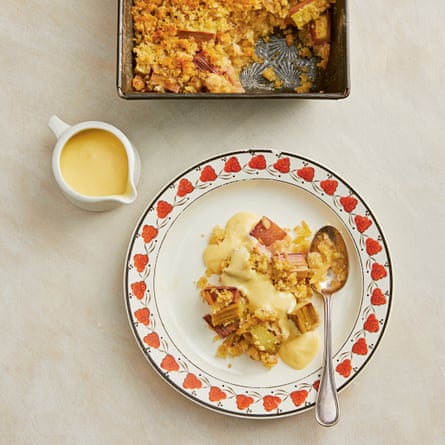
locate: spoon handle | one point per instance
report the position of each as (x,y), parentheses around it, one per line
(326,406)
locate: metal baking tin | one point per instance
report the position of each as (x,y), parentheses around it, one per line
(334,83)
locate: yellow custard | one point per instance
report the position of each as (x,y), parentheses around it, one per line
(94,163)
(230,260)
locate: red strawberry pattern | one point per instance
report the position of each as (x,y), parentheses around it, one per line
(163,208)
(184,187)
(232,165)
(216,394)
(329,186)
(140,261)
(169,363)
(243,401)
(143,316)
(138,289)
(299,396)
(371,324)
(373,247)
(145,320)
(258,162)
(191,382)
(208,174)
(362,223)
(282,165)
(271,402)
(378,271)
(149,233)
(360,347)
(344,368)
(306,173)
(378,297)
(152,340)
(349,203)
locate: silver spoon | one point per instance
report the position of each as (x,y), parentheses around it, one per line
(326,404)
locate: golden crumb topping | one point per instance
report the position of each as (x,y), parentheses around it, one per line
(258,289)
(190,46)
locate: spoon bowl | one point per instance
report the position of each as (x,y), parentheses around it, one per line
(330,245)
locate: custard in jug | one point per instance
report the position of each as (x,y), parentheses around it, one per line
(94,163)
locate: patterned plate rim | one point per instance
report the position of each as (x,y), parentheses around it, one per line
(212,173)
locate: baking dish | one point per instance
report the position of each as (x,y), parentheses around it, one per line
(333,83)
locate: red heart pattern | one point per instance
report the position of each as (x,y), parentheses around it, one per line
(378,297)
(329,186)
(169,363)
(208,174)
(145,320)
(232,165)
(216,394)
(143,316)
(149,233)
(362,223)
(360,347)
(282,165)
(306,173)
(184,187)
(163,208)
(349,203)
(138,289)
(153,341)
(371,324)
(271,403)
(191,382)
(373,247)
(257,162)
(243,402)
(298,397)
(344,368)
(378,271)
(140,262)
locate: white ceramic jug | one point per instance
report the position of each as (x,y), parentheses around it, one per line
(64,133)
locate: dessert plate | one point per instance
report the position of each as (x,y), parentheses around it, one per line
(164,262)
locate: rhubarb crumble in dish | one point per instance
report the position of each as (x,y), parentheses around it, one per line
(193,46)
(258,290)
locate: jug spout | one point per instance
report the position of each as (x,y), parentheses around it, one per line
(134,172)
(130,196)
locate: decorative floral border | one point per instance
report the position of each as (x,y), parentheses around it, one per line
(195,383)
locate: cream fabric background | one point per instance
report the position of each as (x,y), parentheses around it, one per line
(70,370)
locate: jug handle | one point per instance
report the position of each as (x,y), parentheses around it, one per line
(57,125)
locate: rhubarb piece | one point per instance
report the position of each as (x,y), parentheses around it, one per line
(201,36)
(307,11)
(225,331)
(222,331)
(213,294)
(267,232)
(227,314)
(305,318)
(296,262)
(263,339)
(203,63)
(321,29)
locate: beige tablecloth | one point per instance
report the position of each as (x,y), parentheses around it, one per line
(70,369)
